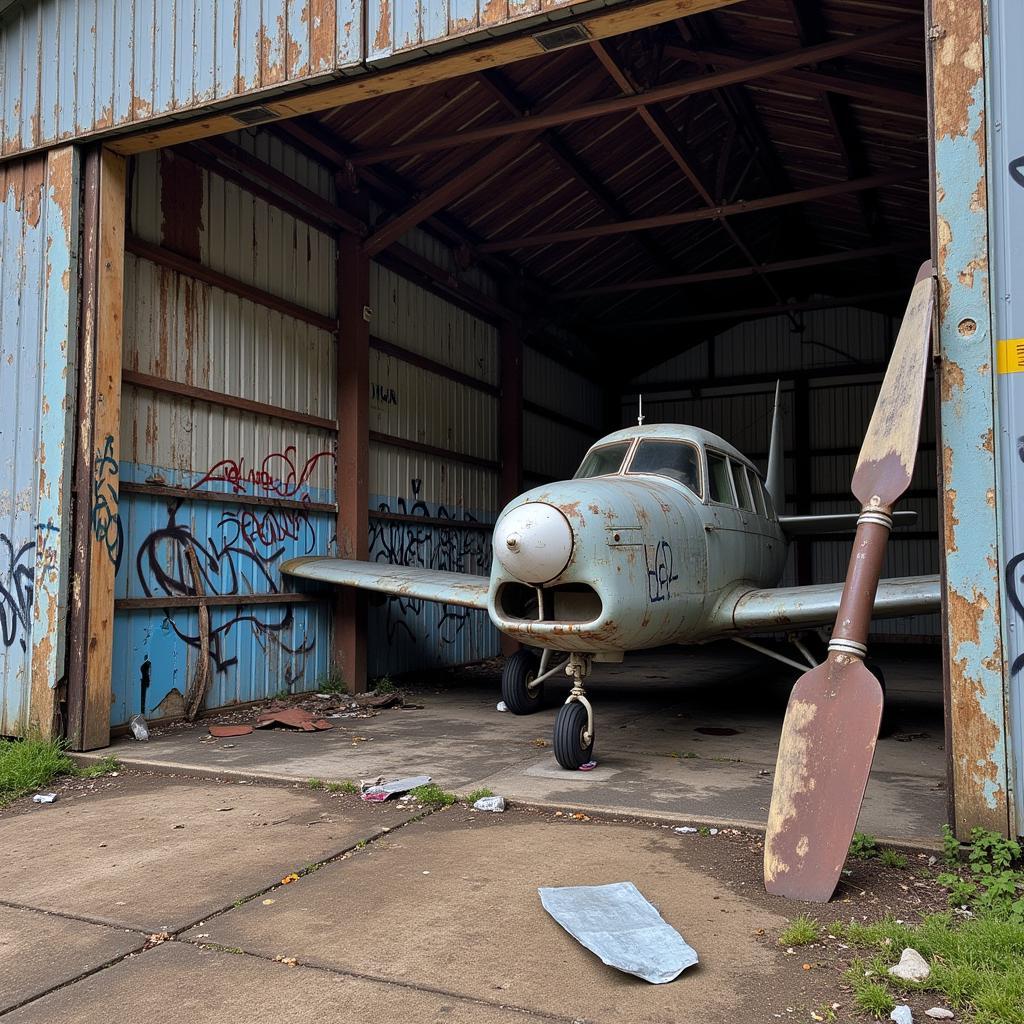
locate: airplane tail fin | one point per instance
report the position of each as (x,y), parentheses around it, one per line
(775,482)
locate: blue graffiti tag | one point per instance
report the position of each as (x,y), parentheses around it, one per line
(106,517)
(660,575)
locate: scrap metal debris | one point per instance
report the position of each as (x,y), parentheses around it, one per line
(622,928)
(222,731)
(379,790)
(292,718)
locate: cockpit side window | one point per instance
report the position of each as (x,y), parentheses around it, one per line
(677,460)
(719,480)
(603,461)
(755,490)
(740,480)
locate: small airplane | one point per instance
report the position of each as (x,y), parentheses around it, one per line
(665,535)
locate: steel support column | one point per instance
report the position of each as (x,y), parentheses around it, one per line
(973,653)
(353,459)
(511,420)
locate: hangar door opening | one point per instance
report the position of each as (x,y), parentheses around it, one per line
(691,210)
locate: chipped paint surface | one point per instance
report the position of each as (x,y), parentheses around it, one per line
(135,61)
(979,752)
(38,275)
(1006,191)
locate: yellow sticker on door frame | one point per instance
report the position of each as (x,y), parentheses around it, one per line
(1010,355)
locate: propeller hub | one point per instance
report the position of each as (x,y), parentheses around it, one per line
(533,542)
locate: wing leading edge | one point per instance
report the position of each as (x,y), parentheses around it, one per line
(784,607)
(407,581)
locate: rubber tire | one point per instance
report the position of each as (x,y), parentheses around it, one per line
(886,727)
(570,725)
(519,669)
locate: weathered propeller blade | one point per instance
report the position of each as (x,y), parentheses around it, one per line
(828,737)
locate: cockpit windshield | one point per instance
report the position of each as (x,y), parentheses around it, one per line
(603,461)
(678,460)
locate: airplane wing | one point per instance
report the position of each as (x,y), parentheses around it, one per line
(785,607)
(409,581)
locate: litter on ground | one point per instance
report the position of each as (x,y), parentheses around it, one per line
(617,924)
(44,798)
(222,731)
(378,790)
(292,718)
(490,803)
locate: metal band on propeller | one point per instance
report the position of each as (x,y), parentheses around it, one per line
(875,516)
(841,646)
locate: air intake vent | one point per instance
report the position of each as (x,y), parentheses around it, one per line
(255,115)
(559,38)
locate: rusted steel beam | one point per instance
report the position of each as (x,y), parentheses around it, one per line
(973,653)
(807,195)
(474,174)
(892,97)
(190,268)
(627,104)
(561,419)
(223,497)
(401,517)
(430,449)
(352,478)
(238,159)
(827,259)
(432,366)
(174,387)
(124,604)
(753,311)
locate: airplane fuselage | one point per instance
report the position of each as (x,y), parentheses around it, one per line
(644,555)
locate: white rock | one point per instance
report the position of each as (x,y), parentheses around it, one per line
(912,967)
(902,1015)
(939,1013)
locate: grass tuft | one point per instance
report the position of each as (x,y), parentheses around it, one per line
(345,786)
(314,784)
(30,764)
(331,683)
(433,795)
(863,846)
(104,766)
(893,859)
(383,685)
(478,794)
(800,932)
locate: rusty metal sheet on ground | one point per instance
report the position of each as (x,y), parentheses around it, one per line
(828,741)
(293,718)
(621,927)
(223,731)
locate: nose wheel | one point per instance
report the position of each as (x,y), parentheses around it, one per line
(574,724)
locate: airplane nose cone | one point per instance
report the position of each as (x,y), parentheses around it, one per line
(533,542)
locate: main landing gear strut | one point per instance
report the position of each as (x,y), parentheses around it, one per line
(574,726)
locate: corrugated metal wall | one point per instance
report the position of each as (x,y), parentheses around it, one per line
(838,410)
(188,332)
(70,67)
(442,465)
(38,289)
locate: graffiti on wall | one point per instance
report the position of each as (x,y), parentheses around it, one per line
(17,583)
(454,548)
(106,516)
(238,555)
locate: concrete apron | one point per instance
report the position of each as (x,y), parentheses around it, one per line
(654,760)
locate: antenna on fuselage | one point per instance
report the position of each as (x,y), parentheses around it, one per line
(640,412)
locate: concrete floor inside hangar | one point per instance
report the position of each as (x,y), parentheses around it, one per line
(654,759)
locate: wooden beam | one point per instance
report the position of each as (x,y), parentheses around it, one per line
(103,454)
(172,261)
(703,277)
(352,479)
(878,93)
(474,174)
(808,195)
(627,104)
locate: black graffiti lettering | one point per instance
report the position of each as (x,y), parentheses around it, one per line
(1016,169)
(17,583)
(660,575)
(106,516)
(1013,581)
(446,548)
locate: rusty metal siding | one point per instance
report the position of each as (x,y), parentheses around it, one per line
(38,288)
(69,68)
(418,406)
(1006,83)
(977,700)
(184,330)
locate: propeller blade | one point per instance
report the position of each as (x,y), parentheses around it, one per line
(831,725)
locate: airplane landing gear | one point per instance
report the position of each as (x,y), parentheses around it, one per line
(522,680)
(574,725)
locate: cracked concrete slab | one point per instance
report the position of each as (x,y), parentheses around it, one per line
(177,983)
(451,901)
(160,854)
(40,951)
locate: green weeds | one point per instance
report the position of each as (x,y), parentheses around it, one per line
(801,931)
